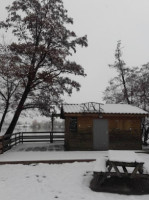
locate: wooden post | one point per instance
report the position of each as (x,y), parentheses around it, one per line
(19,137)
(50,137)
(51,133)
(15,139)
(52,118)
(22,137)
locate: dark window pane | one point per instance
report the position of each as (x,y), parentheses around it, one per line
(73,124)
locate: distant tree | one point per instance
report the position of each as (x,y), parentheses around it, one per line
(43,44)
(141,96)
(137,81)
(141,83)
(119,83)
(35,124)
(115,92)
(131,86)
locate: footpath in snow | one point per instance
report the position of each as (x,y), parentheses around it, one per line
(50,155)
(42,151)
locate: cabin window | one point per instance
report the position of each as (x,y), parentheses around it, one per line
(73,124)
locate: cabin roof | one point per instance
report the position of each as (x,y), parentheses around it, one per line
(102,108)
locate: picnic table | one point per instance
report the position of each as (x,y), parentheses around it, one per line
(131,165)
(120,164)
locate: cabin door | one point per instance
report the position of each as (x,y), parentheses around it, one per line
(100,134)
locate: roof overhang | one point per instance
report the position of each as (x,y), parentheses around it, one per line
(95,109)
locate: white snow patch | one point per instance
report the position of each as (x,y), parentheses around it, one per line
(123,156)
(100,165)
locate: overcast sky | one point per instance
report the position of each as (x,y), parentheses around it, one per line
(105,22)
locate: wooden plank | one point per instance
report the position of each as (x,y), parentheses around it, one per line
(116,169)
(25,141)
(136,169)
(54,132)
(125,170)
(123,174)
(109,167)
(46,161)
(126,164)
(141,170)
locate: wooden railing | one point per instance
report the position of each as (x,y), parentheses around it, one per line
(8,141)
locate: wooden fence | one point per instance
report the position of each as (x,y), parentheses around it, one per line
(8,141)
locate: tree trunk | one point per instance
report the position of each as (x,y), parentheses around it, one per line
(146,133)
(18,111)
(121,69)
(125,89)
(3,116)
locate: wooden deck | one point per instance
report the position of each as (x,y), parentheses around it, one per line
(9,141)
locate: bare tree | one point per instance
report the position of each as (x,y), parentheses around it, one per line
(122,70)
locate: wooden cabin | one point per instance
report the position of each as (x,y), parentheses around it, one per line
(94,126)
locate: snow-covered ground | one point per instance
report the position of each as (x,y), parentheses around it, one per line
(55,181)
(47,151)
(50,182)
(14,155)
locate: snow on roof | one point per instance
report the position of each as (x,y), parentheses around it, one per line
(104,108)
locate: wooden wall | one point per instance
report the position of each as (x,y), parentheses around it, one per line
(83,138)
(124,132)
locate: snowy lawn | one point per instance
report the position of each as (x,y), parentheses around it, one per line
(50,182)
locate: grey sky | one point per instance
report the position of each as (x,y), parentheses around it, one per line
(105,22)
